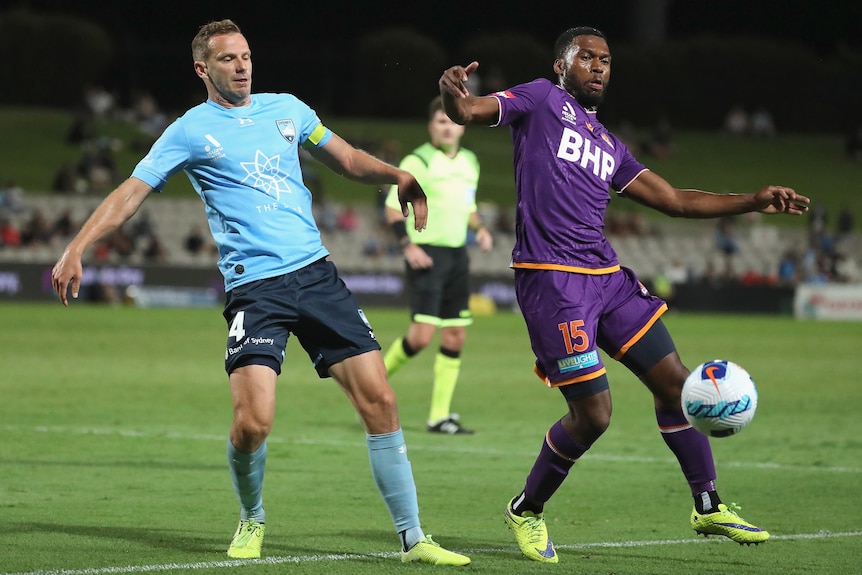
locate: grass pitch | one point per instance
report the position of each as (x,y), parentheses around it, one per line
(114,423)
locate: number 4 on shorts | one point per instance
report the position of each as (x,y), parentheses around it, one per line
(237,330)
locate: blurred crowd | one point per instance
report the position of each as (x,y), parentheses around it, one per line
(825,256)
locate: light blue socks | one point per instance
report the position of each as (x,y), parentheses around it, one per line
(394,478)
(246,471)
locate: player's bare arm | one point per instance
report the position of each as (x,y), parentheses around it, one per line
(115,209)
(462,106)
(357,165)
(653,191)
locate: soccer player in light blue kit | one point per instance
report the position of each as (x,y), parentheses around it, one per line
(575,296)
(240,152)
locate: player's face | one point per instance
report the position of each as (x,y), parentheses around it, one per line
(445,133)
(227,70)
(585,70)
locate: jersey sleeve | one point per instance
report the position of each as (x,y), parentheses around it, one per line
(630,168)
(313,133)
(520,100)
(168,155)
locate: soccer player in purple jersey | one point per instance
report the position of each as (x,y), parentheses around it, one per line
(575,296)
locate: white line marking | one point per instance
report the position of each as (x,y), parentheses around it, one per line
(227,564)
(413,447)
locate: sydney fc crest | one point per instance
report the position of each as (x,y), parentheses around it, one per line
(287,130)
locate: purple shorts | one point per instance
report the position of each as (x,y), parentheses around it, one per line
(571,316)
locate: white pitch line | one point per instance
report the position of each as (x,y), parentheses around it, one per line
(413,447)
(227,564)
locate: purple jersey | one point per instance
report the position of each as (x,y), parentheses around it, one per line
(565,164)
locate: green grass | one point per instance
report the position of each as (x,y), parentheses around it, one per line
(114,423)
(33,147)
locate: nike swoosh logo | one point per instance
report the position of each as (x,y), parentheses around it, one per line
(548,552)
(710,373)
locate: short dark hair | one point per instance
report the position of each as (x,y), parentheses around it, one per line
(565,40)
(435,106)
(201,42)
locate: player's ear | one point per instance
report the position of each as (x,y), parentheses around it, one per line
(559,66)
(200,69)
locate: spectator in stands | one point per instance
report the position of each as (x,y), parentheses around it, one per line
(845,268)
(151,120)
(12,197)
(82,130)
(10,235)
(725,236)
(154,252)
(65,179)
(121,243)
(736,122)
(788,268)
(100,102)
(660,141)
(195,241)
(63,226)
(326,215)
(677,272)
(37,230)
(142,227)
(846,221)
(762,124)
(348,220)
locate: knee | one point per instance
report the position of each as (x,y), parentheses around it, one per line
(665,382)
(379,411)
(249,431)
(420,341)
(586,428)
(453,338)
(595,425)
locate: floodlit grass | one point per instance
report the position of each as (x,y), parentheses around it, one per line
(114,423)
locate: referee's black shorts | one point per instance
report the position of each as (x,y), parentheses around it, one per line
(440,295)
(313,303)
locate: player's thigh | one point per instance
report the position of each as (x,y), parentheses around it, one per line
(259,316)
(562,312)
(331,326)
(631,331)
(252,389)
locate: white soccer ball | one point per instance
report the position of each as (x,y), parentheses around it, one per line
(719,398)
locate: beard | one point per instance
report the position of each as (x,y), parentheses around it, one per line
(585,97)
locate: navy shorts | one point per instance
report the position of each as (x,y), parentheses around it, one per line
(571,316)
(440,295)
(313,303)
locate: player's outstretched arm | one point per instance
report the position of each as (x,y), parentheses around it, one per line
(462,106)
(653,191)
(357,165)
(116,208)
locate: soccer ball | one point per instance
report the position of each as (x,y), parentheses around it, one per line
(719,398)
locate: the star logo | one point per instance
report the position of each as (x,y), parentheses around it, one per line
(263,174)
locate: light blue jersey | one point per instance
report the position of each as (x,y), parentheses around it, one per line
(244,164)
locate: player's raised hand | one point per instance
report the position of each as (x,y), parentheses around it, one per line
(409,191)
(454,79)
(781,200)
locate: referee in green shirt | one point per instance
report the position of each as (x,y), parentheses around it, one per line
(436,261)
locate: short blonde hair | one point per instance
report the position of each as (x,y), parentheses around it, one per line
(201,42)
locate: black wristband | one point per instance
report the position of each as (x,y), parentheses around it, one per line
(399,227)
